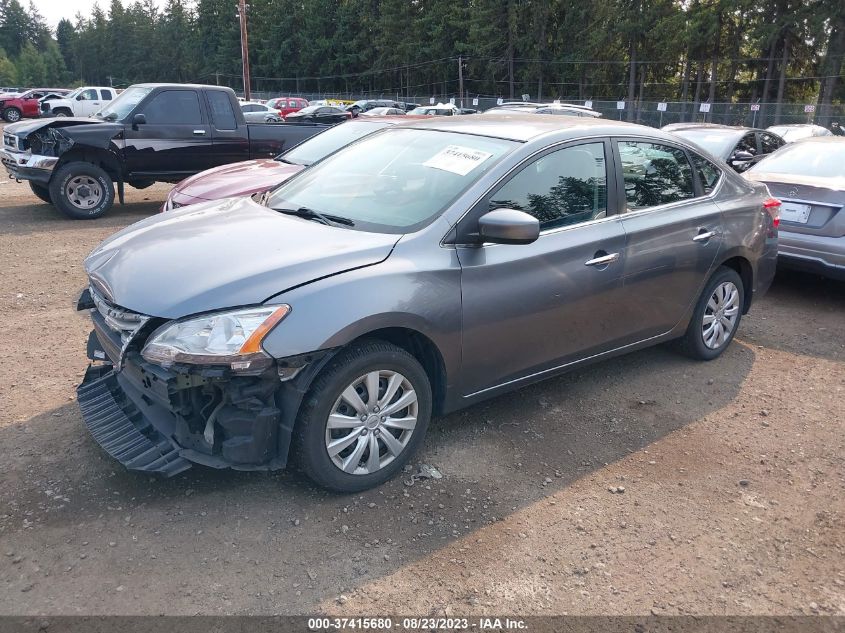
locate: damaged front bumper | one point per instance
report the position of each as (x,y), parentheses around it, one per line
(158,420)
(34,156)
(28,166)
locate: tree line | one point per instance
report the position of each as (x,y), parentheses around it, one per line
(704,50)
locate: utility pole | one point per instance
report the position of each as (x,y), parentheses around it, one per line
(242,8)
(461,79)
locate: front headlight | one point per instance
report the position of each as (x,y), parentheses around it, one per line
(226,338)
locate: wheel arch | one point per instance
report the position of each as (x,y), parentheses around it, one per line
(413,341)
(745,270)
(102,158)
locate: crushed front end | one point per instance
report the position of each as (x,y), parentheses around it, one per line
(160,419)
(33,156)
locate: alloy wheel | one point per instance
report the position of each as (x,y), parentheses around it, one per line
(371,422)
(84,192)
(720,315)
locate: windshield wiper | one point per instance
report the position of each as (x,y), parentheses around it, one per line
(310,214)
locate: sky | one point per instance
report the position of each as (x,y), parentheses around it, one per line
(55,10)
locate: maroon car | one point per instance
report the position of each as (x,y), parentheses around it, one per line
(255,176)
(13,108)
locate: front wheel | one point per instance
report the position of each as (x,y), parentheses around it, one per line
(82,191)
(363,418)
(716,317)
(62,112)
(41,191)
(12,115)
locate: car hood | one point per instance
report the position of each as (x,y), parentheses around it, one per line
(237,179)
(225,254)
(23,128)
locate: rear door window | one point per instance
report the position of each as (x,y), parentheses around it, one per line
(565,187)
(654,174)
(174,107)
(747,143)
(105,95)
(222,114)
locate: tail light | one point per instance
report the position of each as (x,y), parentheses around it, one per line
(772,205)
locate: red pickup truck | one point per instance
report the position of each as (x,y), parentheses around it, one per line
(27,104)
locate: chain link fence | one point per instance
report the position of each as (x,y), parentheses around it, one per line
(652,113)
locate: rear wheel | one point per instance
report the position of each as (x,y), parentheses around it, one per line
(12,115)
(82,191)
(41,191)
(363,418)
(716,317)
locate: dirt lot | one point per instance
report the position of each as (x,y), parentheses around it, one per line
(729,480)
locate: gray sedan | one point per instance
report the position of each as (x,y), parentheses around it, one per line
(809,177)
(417,271)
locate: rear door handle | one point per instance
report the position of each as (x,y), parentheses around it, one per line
(603,260)
(199,132)
(704,236)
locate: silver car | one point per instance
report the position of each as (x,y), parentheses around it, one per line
(259,113)
(809,177)
(419,270)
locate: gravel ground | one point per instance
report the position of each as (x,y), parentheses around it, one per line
(647,484)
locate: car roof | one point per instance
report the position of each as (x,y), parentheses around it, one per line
(716,127)
(525,127)
(822,139)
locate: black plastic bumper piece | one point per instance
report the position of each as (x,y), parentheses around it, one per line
(119,428)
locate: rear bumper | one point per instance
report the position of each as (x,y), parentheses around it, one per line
(813,253)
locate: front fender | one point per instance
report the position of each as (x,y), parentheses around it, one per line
(423,296)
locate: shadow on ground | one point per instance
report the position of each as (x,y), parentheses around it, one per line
(273,541)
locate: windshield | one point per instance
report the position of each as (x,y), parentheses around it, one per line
(328,142)
(821,160)
(72,95)
(716,142)
(394,181)
(124,103)
(308,110)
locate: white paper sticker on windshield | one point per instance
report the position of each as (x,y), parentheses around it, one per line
(456,159)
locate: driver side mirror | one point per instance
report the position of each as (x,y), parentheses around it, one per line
(508,226)
(741,156)
(138,119)
(80,97)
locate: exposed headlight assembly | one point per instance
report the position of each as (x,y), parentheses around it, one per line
(224,338)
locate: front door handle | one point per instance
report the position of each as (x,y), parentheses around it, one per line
(199,132)
(602,260)
(703,236)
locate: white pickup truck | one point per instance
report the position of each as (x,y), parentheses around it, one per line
(84,101)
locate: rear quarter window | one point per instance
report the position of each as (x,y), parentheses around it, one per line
(708,173)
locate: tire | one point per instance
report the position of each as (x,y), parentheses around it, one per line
(312,436)
(70,179)
(702,342)
(61,112)
(12,115)
(41,191)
